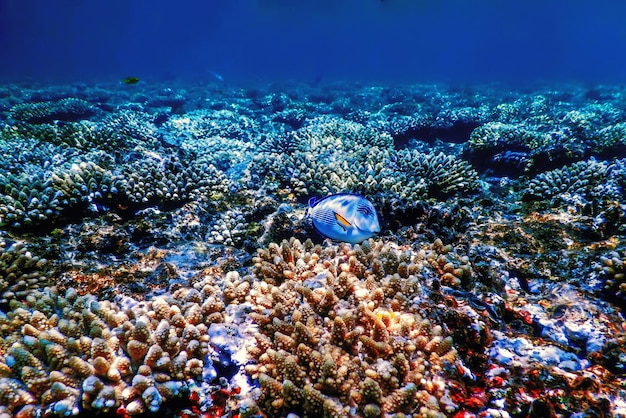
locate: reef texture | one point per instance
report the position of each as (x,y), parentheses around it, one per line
(350,331)
(156,258)
(71,353)
(331,155)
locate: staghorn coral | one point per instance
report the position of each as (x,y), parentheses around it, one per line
(331,316)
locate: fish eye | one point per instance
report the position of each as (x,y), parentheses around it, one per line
(365,210)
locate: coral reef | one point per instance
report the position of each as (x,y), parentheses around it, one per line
(70,353)
(69,109)
(171,219)
(350,330)
(21,272)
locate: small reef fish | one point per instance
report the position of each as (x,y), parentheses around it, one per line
(217,76)
(344,217)
(131,80)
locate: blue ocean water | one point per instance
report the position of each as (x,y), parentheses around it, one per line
(310,40)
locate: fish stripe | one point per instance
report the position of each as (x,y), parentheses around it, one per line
(342,221)
(324,216)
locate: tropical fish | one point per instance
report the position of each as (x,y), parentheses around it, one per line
(344,217)
(217,76)
(131,80)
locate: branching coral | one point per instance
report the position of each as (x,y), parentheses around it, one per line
(440,175)
(155,179)
(21,272)
(330,156)
(69,353)
(45,112)
(341,325)
(586,179)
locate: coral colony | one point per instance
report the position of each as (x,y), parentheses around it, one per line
(157,259)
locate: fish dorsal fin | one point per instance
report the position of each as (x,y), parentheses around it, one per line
(342,221)
(314,201)
(318,199)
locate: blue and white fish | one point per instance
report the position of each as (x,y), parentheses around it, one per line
(344,217)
